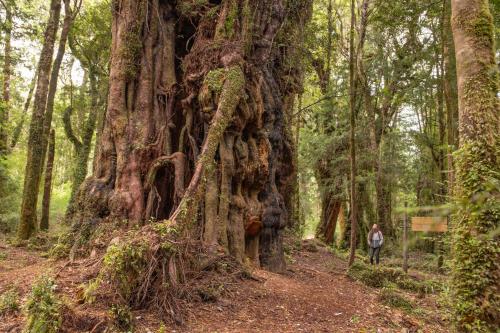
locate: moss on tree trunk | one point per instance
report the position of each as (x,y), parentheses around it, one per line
(475,247)
(47,186)
(28,219)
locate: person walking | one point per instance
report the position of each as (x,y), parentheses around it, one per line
(375,241)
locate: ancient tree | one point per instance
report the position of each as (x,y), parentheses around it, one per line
(197,127)
(27,224)
(475,243)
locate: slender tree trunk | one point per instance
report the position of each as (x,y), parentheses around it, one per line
(5,108)
(450,92)
(83,146)
(27,224)
(352,137)
(47,187)
(441,157)
(54,76)
(476,268)
(16,134)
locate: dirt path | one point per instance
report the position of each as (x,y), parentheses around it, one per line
(314,295)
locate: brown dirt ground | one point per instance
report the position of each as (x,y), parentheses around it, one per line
(314,295)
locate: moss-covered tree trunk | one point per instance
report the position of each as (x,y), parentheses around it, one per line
(475,243)
(47,186)
(7,64)
(196,127)
(27,224)
(54,76)
(450,92)
(82,145)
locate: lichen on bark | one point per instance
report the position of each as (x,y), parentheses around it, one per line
(475,247)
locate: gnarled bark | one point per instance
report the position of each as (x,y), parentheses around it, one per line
(198,95)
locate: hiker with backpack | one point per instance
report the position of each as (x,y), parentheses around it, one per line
(375,241)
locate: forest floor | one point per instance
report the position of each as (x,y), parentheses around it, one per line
(314,295)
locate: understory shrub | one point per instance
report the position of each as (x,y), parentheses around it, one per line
(9,301)
(380,276)
(392,298)
(43,307)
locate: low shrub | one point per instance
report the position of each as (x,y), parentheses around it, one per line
(380,276)
(122,317)
(392,298)
(9,301)
(43,308)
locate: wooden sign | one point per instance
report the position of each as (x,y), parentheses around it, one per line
(429,224)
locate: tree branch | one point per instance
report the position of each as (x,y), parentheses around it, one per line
(68,129)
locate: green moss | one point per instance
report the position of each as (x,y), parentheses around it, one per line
(191,8)
(380,276)
(123,264)
(131,47)
(43,308)
(59,251)
(482,26)
(9,301)
(90,290)
(122,317)
(212,12)
(215,80)
(162,328)
(392,298)
(231,19)
(227,29)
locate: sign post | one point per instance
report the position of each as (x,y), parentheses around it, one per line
(429,224)
(405,240)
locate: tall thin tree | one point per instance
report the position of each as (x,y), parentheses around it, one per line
(7,69)
(352,135)
(27,224)
(47,185)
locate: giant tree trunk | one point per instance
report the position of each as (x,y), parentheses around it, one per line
(197,97)
(27,224)
(475,242)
